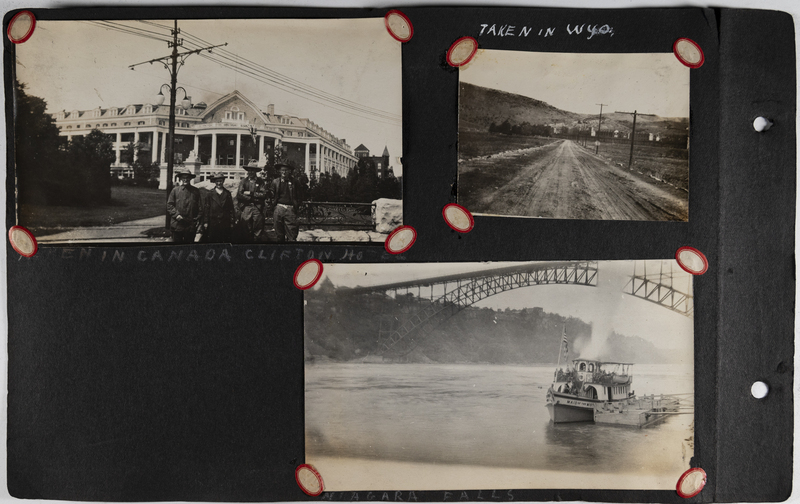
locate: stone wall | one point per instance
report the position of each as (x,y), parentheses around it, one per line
(388,214)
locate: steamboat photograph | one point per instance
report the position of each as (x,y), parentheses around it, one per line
(574,136)
(573,374)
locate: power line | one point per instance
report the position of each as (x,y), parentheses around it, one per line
(293,83)
(128,30)
(341,104)
(265,80)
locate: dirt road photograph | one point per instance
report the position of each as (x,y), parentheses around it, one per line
(574,136)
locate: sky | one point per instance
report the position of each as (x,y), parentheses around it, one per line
(648,83)
(79,65)
(606,307)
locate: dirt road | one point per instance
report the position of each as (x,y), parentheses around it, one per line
(566,181)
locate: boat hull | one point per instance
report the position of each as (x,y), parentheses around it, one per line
(562,413)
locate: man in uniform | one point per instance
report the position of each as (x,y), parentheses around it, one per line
(185,209)
(286,199)
(218,216)
(250,199)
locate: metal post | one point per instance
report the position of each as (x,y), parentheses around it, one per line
(633,136)
(600,122)
(172,93)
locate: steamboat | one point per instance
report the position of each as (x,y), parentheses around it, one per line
(600,391)
(577,393)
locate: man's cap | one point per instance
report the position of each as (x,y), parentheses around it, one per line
(251,168)
(216,176)
(183,172)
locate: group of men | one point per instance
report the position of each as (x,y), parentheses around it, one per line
(212,217)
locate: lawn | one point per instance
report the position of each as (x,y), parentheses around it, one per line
(472,144)
(127,204)
(659,162)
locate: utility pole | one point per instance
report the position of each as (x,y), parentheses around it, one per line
(173,63)
(597,140)
(633,133)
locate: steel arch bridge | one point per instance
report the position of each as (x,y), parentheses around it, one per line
(452,293)
(659,287)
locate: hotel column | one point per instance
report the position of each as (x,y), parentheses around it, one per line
(197,146)
(262,159)
(154,151)
(135,143)
(213,149)
(164,147)
(116,147)
(238,149)
(317,159)
(308,160)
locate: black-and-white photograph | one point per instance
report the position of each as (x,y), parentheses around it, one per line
(573,374)
(215,131)
(574,136)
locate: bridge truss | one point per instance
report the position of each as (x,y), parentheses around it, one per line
(451,294)
(658,287)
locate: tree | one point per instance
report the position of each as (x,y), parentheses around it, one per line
(36,143)
(51,172)
(145,173)
(88,160)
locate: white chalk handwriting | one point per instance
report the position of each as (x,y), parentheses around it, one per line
(508,30)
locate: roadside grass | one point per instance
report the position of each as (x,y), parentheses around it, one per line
(657,162)
(478,177)
(472,144)
(127,204)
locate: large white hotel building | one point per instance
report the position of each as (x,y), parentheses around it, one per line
(213,138)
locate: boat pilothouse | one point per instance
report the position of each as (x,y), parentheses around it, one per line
(587,386)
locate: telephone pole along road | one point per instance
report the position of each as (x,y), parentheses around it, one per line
(569,182)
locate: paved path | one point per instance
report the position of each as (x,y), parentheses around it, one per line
(124,232)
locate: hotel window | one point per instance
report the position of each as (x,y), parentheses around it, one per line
(240,116)
(140,123)
(105,125)
(131,110)
(113,124)
(96,113)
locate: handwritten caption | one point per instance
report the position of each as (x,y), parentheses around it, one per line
(224,255)
(505,30)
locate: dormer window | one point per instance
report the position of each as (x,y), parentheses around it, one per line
(97,112)
(74,114)
(112,111)
(60,115)
(130,110)
(147,109)
(234,115)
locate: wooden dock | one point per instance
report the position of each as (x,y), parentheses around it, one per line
(643,411)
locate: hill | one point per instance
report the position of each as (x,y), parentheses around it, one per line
(346,327)
(480,107)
